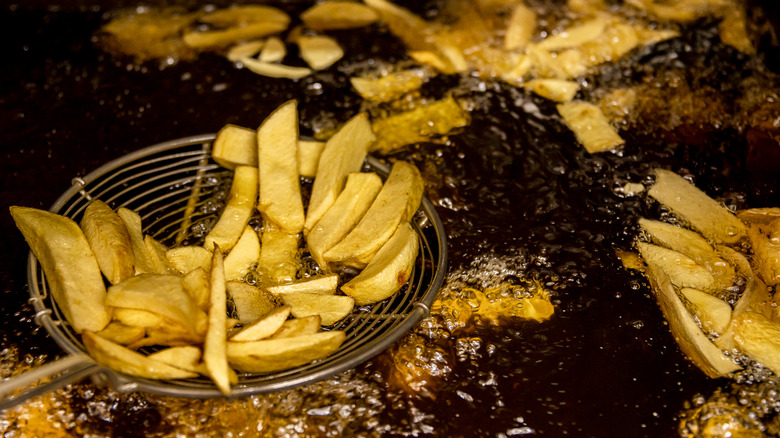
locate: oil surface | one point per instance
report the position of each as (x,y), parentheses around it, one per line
(520,198)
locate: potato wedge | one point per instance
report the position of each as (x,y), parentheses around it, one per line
(245,14)
(352,203)
(388,271)
(389,87)
(338,14)
(108,237)
(122,334)
(280,189)
(759,216)
(157,251)
(283,353)
(244,50)
(250,302)
(309,152)
(263,327)
(226,37)
(237,212)
(235,146)
(323,284)
(197,284)
(299,327)
(344,153)
(713,313)
(143,260)
(330,308)
(274,50)
(693,206)
(185,259)
(396,203)
(681,269)
(71,269)
(576,35)
(766,251)
(139,318)
(214,350)
(590,126)
(692,341)
(243,256)
(759,337)
(126,361)
(272,70)
(279,259)
(185,357)
(319,51)
(163,295)
(521,27)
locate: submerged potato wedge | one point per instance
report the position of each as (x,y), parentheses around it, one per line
(226,37)
(396,203)
(235,146)
(590,126)
(330,308)
(67,260)
(713,313)
(214,350)
(338,14)
(282,353)
(521,27)
(388,271)
(352,203)
(263,327)
(713,220)
(243,256)
(108,237)
(245,14)
(681,269)
(319,51)
(279,259)
(250,302)
(237,212)
(766,251)
(343,154)
(280,189)
(126,361)
(759,338)
(323,284)
(275,70)
(186,259)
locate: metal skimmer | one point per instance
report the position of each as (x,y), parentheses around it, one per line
(174,186)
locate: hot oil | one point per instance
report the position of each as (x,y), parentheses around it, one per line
(523,204)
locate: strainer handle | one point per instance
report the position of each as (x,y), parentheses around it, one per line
(62,371)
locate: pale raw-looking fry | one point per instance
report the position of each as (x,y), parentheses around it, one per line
(280,189)
(590,125)
(244,50)
(275,70)
(108,237)
(344,153)
(185,357)
(309,152)
(390,86)
(396,203)
(755,298)
(235,146)
(759,338)
(298,327)
(704,214)
(122,334)
(388,271)
(243,256)
(319,51)
(558,90)
(197,284)
(139,318)
(157,251)
(713,313)
(350,206)
(160,294)
(575,35)
(766,251)
(250,302)
(67,260)
(263,327)
(330,308)
(323,284)
(126,361)
(338,14)
(279,259)
(759,216)
(226,37)
(692,245)
(681,269)
(419,124)
(243,15)
(283,353)
(692,341)
(274,51)
(214,350)
(237,211)
(186,259)
(521,27)
(143,260)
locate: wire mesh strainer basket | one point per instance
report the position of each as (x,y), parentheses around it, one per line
(174,186)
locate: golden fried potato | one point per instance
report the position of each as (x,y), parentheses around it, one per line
(237,212)
(282,353)
(319,51)
(186,259)
(250,302)
(243,256)
(108,237)
(323,284)
(263,327)
(279,259)
(338,14)
(235,146)
(214,350)
(330,308)
(298,327)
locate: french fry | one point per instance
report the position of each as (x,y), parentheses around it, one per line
(197,284)
(244,50)
(396,203)
(70,266)
(282,353)
(263,327)
(713,313)
(309,152)
(121,333)
(330,308)
(185,259)
(245,14)
(590,126)
(681,269)
(279,259)
(157,251)
(237,212)
(214,350)
(323,284)
(250,302)
(298,327)
(185,357)
(275,70)
(389,87)
(143,260)
(108,237)
(243,256)
(280,192)
(235,146)
(521,27)
(274,50)
(319,51)
(226,37)
(338,14)
(759,337)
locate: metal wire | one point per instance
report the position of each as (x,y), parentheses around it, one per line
(176,188)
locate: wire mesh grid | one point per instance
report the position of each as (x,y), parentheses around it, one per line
(177,189)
